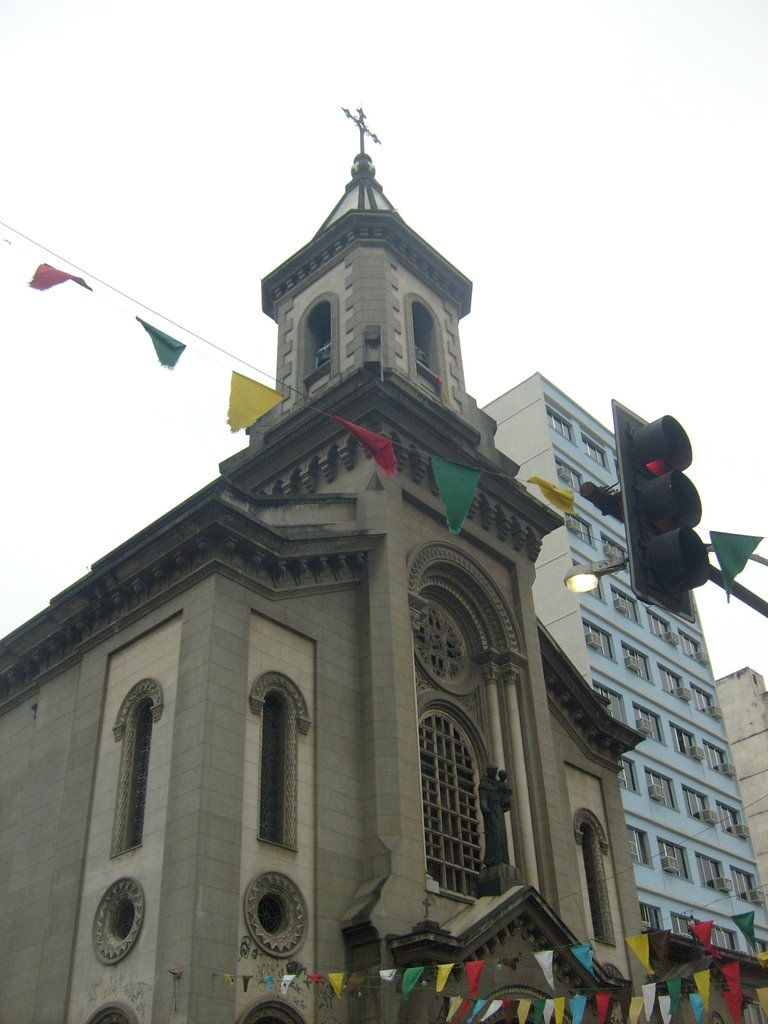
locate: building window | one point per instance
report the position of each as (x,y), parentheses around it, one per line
(448,787)
(730,818)
(671,682)
(635,661)
(701,699)
(658,626)
(624,605)
(714,755)
(424,337)
(724,938)
(140,709)
(612,549)
(647,722)
(659,788)
(597,639)
(743,882)
(579,527)
(638,845)
(690,646)
(567,475)
(683,741)
(672,858)
(616,705)
(283,710)
(681,923)
(560,425)
(695,803)
(650,916)
(318,337)
(710,871)
(594,451)
(594,845)
(628,775)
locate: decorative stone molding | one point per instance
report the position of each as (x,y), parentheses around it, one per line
(275,914)
(115,1013)
(290,692)
(585,816)
(146,689)
(267,1011)
(117,922)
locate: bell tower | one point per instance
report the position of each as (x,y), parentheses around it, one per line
(367,292)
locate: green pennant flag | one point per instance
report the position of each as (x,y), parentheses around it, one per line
(732,551)
(746,924)
(674,987)
(410,976)
(457,485)
(168,350)
(538,1010)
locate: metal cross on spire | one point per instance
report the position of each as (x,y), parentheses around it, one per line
(364,129)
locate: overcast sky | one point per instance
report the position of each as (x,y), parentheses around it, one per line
(598,169)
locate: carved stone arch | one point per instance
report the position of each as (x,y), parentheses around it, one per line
(429,701)
(585,816)
(147,689)
(114,1013)
(270,1011)
(447,574)
(141,708)
(435,364)
(307,370)
(278,796)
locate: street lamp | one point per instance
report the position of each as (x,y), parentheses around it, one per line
(583,578)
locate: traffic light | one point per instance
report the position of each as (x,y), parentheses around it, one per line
(667,559)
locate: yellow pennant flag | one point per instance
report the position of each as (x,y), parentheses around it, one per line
(559,1009)
(443,971)
(523,1009)
(230,979)
(702,984)
(639,946)
(561,497)
(248,400)
(762,995)
(635,1007)
(337,982)
(453,1004)
(762,958)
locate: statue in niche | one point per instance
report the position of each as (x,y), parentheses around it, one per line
(495,798)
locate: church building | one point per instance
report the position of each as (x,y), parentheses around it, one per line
(243,759)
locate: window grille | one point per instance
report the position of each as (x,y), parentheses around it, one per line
(273,770)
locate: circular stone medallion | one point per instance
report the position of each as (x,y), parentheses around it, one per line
(118,920)
(275,913)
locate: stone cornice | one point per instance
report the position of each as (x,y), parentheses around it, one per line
(366,227)
(217,530)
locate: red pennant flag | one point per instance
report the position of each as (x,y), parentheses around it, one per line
(474,970)
(379,447)
(703,932)
(462,1011)
(47,276)
(733,1001)
(317,978)
(732,974)
(603,1001)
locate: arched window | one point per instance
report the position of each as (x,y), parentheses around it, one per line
(424,337)
(591,837)
(319,336)
(283,710)
(271,1011)
(448,787)
(272,795)
(139,711)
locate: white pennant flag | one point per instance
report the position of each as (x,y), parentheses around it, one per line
(285,984)
(549,1009)
(649,998)
(388,975)
(492,1008)
(664,1008)
(544,960)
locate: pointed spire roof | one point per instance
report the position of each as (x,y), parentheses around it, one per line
(363,193)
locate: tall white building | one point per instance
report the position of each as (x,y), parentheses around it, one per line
(685,820)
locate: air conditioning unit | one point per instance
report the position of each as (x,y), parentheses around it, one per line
(726,768)
(621,604)
(634,664)
(721,884)
(739,830)
(713,711)
(682,692)
(670,864)
(612,552)
(754,896)
(707,814)
(593,640)
(657,793)
(565,474)
(644,725)
(671,637)
(697,753)
(701,657)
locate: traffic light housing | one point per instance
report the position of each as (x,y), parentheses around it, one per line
(667,559)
